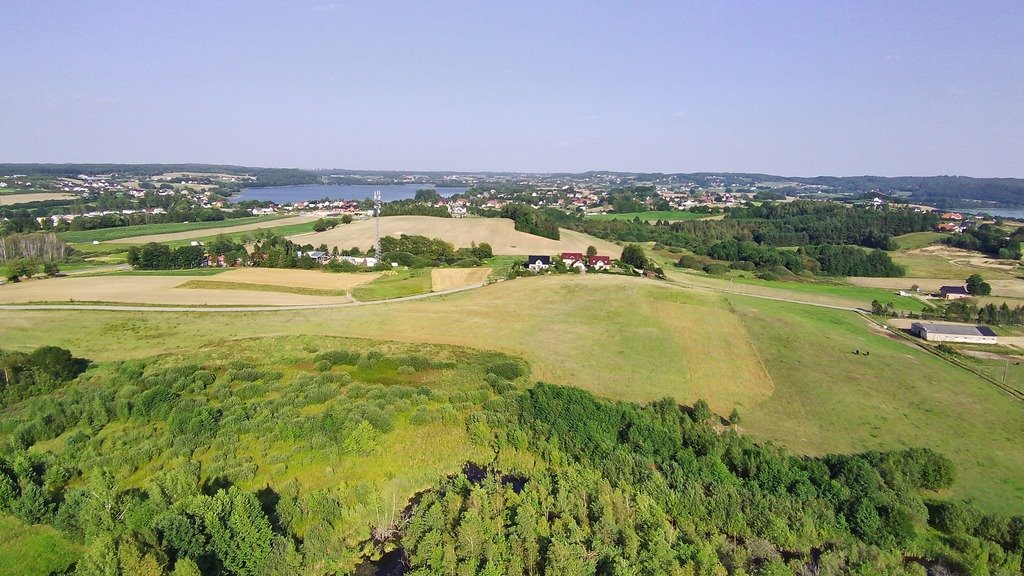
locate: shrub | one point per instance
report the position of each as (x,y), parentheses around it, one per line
(338,357)
(509,370)
(405,370)
(716,269)
(322,366)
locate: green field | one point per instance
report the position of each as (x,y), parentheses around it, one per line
(653,215)
(34,549)
(845,291)
(828,399)
(404,282)
(916,240)
(106,234)
(286,230)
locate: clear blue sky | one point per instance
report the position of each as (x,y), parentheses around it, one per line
(793,88)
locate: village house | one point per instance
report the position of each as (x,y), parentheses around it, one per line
(954,292)
(537,263)
(600,262)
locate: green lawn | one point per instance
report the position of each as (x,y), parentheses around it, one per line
(865,295)
(652,215)
(106,234)
(828,399)
(404,282)
(916,240)
(501,265)
(28,550)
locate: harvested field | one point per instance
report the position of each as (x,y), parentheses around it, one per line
(227,229)
(12,199)
(448,278)
(160,290)
(313,279)
(500,233)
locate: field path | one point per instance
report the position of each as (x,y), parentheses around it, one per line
(172,236)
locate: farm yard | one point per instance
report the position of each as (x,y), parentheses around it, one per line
(641,340)
(500,233)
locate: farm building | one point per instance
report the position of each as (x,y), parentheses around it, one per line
(953,333)
(954,292)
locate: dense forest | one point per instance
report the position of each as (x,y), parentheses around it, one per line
(573,484)
(530,220)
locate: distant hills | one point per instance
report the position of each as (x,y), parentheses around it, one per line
(942,191)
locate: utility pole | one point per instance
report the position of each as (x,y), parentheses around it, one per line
(376,209)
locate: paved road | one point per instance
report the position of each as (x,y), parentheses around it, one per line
(222,309)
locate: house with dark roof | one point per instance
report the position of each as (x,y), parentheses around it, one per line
(954,292)
(536,263)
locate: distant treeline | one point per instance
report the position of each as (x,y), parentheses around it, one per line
(263,176)
(826,235)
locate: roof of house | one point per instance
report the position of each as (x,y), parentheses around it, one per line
(954,329)
(604,259)
(542,259)
(953,290)
(572,256)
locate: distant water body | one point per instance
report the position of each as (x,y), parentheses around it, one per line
(1009,213)
(291,194)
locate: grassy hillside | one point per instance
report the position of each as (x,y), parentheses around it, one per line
(829,399)
(790,368)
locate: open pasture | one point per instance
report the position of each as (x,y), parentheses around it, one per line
(500,233)
(192,230)
(154,290)
(448,278)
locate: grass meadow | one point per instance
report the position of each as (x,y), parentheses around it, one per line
(31,549)
(403,282)
(108,234)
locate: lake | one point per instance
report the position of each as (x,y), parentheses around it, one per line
(291,194)
(1009,213)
